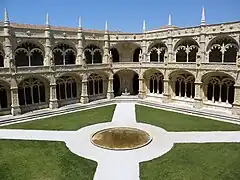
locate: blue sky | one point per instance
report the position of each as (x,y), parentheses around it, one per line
(123,15)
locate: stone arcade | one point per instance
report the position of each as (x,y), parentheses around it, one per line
(48,67)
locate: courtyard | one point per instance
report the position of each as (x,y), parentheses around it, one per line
(182,146)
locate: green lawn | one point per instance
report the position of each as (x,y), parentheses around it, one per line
(38,160)
(195,162)
(71,121)
(172,121)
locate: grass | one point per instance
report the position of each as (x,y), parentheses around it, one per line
(72,121)
(38,160)
(172,121)
(219,161)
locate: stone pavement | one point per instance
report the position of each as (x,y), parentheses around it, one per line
(119,165)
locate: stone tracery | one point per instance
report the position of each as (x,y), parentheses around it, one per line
(93,54)
(157,52)
(156,83)
(64,54)
(31,91)
(66,88)
(186,50)
(220,90)
(223,49)
(95,84)
(29,54)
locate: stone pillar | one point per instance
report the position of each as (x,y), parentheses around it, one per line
(202,52)
(166,95)
(198,94)
(110,92)
(53,102)
(15,108)
(84,96)
(106,45)
(170,46)
(236,103)
(144,49)
(141,90)
(79,59)
(48,61)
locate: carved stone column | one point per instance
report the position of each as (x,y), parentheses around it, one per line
(110,92)
(15,108)
(48,46)
(80,59)
(84,96)
(53,102)
(236,103)
(170,46)
(106,46)
(48,53)
(8,52)
(198,94)
(202,52)
(141,90)
(166,95)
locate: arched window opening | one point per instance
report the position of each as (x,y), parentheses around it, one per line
(156,83)
(184,86)
(29,54)
(64,54)
(192,54)
(157,52)
(215,54)
(93,54)
(1,59)
(95,85)
(136,54)
(220,91)
(3,97)
(181,55)
(230,55)
(115,55)
(223,49)
(186,51)
(66,88)
(154,55)
(31,91)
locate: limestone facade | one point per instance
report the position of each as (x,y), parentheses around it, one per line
(48,67)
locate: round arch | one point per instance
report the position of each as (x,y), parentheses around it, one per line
(126,81)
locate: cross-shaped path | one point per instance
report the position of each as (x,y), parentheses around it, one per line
(119,165)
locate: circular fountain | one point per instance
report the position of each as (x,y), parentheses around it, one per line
(121,138)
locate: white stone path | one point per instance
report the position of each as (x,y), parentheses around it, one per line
(119,165)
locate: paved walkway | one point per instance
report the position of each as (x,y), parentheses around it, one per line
(119,165)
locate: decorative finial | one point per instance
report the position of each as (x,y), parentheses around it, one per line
(169,20)
(47,20)
(106,26)
(203,19)
(79,22)
(144,26)
(6,19)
